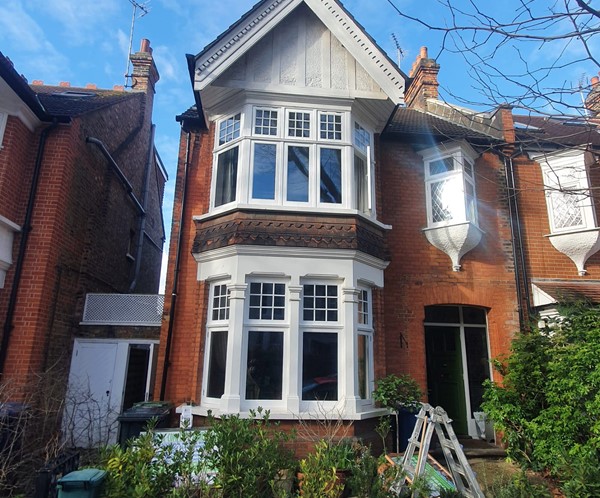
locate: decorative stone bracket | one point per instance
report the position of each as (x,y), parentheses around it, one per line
(455,240)
(577,245)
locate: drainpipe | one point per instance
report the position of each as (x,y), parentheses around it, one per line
(518,250)
(117,170)
(169,338)
(12,300)
(142,227)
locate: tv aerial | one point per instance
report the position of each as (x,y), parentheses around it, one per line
(143,10)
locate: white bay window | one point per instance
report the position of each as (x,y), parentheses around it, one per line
(303,159)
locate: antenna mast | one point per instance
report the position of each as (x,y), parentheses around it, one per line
(399,51)
(144,10)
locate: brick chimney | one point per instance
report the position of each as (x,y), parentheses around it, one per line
(144,75)
(592,101)
(424,83)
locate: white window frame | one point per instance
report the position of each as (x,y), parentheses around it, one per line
(247,140)
(566,172)
(267,326)
(460,153)
(365,330)
(213,325)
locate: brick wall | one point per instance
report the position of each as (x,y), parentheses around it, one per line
(420,275)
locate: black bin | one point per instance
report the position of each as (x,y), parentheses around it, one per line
(135,419)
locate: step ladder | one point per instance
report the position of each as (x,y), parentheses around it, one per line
(428,420)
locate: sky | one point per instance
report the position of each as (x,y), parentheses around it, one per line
(87,41)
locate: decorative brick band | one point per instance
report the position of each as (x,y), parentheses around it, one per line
(281,229)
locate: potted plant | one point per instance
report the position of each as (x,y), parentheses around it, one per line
(402,395)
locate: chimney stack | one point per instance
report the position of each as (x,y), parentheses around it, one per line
(144,75)
(424,83)
(592,101)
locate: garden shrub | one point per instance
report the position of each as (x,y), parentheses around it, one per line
(547,407)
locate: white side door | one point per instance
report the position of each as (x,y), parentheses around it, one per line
(95,393)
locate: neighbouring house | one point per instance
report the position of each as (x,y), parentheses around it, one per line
(81,242)
(335,222)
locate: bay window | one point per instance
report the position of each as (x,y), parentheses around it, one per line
(450,184)
(302,158)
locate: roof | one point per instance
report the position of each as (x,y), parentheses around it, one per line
(72,101)
(19,85)
(266,14)
(570,290)
(417,123)
(557,131)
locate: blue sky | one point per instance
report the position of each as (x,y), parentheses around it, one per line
(86,41)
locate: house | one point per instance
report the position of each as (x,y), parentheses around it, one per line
(336,222)
(81,189)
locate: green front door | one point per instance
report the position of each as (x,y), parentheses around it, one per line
(445,380)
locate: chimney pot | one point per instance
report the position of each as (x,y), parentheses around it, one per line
(64,83)
(145,46)
(119,88)
(91,86)
(37,82)
(423,53)
(595,80)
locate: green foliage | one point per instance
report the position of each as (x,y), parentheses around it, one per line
(365,481)
(397,392)
(319,470)
(150,468)
(518,486)
(248,454)
(548,404)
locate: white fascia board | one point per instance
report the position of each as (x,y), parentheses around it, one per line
(361,47)
(11,104)
(236,43)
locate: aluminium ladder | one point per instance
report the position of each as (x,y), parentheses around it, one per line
(428,420)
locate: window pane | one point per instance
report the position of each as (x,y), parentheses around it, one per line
(441,166)
(220,305)
(477,364)
(331,176)
(447,200)
(566,209)
(267,301)
(442,314)
(297,174)
(363,366)
(226,177)
(331,126)
(299,124)
(265,122)
(363,307)
(217,363)
(323,307)
(319,366)
(362,139)
(361,184)
(229,129)
(264,376)
(263,177)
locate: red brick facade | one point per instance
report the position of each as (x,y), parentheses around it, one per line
(81,220)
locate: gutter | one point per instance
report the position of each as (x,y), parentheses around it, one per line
(169,338)
(12,301)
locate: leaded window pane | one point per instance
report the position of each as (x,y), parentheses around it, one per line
(320,303)
(441,166)
(267,301)
(566,210)
(220,303)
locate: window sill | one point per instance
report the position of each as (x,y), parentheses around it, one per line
(366,412)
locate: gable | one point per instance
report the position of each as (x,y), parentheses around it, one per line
(310,47)
(301,56)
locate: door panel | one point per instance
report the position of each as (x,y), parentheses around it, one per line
(445,381)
